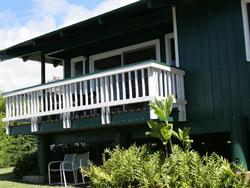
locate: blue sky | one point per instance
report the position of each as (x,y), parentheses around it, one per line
(21,20)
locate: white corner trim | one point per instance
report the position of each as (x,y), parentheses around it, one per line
(175,37)
(246,27)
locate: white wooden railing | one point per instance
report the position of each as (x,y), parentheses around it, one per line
(131,84)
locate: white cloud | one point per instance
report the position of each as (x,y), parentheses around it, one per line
(46,16)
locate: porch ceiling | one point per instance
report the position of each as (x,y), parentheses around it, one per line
(125,19)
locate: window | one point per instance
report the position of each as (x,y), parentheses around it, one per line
(171,50)
(78,66)
(245,5)
(124,56)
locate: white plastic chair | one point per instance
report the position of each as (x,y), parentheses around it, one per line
(80,161)
(67,161)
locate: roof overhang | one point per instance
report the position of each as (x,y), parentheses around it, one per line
(91,30)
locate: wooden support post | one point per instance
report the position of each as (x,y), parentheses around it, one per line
(239,140)
(43,154)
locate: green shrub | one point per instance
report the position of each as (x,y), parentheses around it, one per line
(138,167)
(189,169)
(26,165)
(133,167)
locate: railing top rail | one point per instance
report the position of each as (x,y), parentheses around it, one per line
(108,72)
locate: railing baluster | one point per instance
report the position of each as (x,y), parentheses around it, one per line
(76,95)
(38,103)
(42,100)
(55,98)
(32,103)
(46,100)
(123,87)
(143,85)
(67,96)
(165,84)
(70,96)
(169,84)
(28,99)
(91,92)
(17,105)
(21,105)
(50,100)
(117,88)
(81,98)
(130,85)
(161,84)
(59,98)
(97,91)
(111,88)
(136,85)
(7,107)
(106,89)
(173,84)
(102,90)
(10,105)
(86,93)
(64,97)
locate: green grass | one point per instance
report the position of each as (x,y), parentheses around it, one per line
(8,180)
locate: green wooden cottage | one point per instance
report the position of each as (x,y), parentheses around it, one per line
(116,63)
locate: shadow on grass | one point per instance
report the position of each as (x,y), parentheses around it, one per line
(6,174)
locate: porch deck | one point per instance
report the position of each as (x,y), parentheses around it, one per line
(122,88)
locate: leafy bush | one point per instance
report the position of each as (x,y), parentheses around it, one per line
(138,167)
(26,165)
(135,166)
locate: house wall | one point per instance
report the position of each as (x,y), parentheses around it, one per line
(212,52)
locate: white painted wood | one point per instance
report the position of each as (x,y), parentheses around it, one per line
(81,97)
(161,84)
(76,94)
(136,85)
(130,85)
(173,84)
(175,37)
(86,93)
(91,92)
(7,127)
(97,91)
(106,86)
(7,107)
(159,77)
(143,83)
(17,105)
(60,97)
(50,99)
(123,87)
(42,101)
(118,96)
(70,95)
(111,89)
(46,100)
(108,119)
(246,27)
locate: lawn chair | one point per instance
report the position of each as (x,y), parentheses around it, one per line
(80,161)
(67,162)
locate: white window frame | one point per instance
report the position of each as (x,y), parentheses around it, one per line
(246,27)
(168,38)
(120,51)
(75,60)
